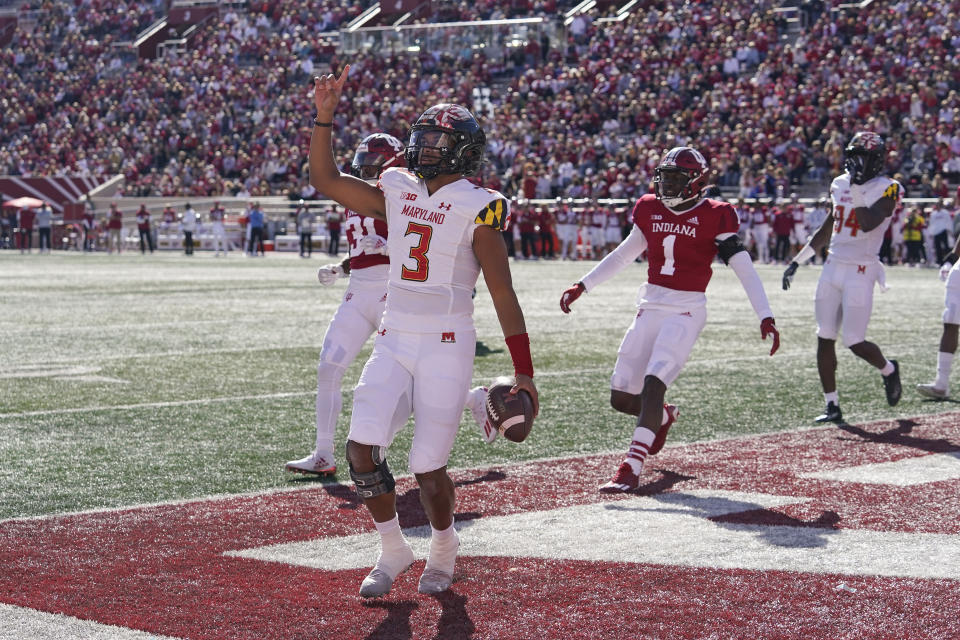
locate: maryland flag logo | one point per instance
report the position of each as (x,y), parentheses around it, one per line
(892,192)
(495,215)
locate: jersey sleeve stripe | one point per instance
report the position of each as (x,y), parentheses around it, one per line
(492,215)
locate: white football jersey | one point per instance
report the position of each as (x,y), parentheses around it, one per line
(850,243)
(433,269)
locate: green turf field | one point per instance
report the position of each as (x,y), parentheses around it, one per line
(128,379)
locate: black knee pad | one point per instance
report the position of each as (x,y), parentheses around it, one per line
(374,483)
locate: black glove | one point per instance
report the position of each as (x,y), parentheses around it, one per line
(788,275)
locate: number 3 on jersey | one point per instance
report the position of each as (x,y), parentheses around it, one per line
(418,252)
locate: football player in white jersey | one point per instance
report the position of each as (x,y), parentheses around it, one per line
(358,316)
(443,231)
(939,389)
(863,202)
(682,232)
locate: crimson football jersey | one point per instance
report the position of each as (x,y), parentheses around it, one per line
(681,246)
(359,226)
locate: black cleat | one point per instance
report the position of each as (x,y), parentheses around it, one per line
(891,384)
(832,415)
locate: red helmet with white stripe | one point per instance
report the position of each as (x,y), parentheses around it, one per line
(681,176)
(375,153)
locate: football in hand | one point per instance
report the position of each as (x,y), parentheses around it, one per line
(510,414)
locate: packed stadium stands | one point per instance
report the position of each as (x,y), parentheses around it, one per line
(581,97)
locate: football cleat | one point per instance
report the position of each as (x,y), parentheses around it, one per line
(832,414)
(623,480)
(318,464)
(891,384)
(434,581)
(673,412)
(931,391)
(379,581)
(476,400)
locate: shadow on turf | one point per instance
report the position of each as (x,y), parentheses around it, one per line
(899,435)
(454,622)
(408,502)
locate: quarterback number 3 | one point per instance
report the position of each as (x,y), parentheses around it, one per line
(418,252)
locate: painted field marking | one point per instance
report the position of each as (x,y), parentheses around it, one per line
(900,473)
(665,529)
(21,623)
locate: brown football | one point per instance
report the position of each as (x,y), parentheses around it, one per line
(510,414)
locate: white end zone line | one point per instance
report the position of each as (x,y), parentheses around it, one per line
(22,623)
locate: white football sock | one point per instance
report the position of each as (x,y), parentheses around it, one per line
(642,439)
(944,364)
(887,369)
(833,397)
(395,553)
(443,549)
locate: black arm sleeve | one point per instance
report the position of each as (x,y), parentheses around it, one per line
(726,249)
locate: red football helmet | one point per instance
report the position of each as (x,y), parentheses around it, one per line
(375,153)
(686,172)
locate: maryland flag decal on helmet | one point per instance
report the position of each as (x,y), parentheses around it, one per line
(495,214)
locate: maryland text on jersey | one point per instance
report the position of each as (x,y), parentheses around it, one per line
(420,213)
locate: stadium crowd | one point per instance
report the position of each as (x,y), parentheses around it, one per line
(771,110)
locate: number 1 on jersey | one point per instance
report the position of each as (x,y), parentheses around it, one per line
(667,269)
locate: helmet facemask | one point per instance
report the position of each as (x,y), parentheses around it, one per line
(446,139)
(672,186)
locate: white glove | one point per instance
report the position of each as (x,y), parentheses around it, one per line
(329,273)
(373,244)
(945,269)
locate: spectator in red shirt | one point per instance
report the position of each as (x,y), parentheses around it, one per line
(547,222)
(25,224)
(782,226)
(114,228)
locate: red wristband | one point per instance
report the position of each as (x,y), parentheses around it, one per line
(519,346)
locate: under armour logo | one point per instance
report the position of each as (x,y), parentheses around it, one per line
(384,298)
(444,205)
(348,297)
(382,332)
(448,337)
(687,313)
(861,268)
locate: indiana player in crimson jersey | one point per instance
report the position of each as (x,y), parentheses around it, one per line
(682,233)
(358,315)
(443,231)
(863,203)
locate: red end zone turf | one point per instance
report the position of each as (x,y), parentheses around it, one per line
(886,487)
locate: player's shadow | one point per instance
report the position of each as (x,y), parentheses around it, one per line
(408,502)
(483,350)
(772,527)
(455,622)
(396,626)
(900,435)
(667,480)
(782,530)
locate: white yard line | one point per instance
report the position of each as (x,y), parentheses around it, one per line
(153,405)
(19,622)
